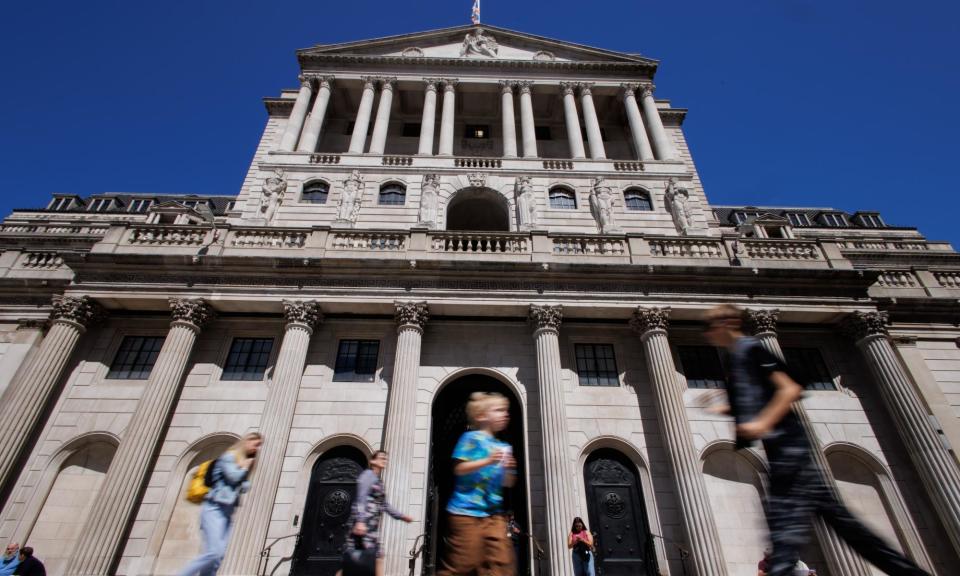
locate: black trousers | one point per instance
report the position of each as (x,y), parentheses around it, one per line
(797,492)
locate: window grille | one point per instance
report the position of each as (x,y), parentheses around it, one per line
(135,358)
(315,192)
(356,361)
(392,194)
(596,365)
(563,198)
(702,366)
(637,200)
(248,359)
(807,367)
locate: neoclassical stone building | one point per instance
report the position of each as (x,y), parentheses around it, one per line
(433,214)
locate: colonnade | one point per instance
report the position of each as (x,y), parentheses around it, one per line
(649,137)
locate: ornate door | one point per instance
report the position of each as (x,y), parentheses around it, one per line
(617,516)
(333,485)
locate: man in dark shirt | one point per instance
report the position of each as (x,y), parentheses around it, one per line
(29,566)
(760,393)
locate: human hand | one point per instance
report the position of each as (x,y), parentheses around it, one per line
(510,462)
(496,456)
(753,430)
(359,529)
(407,519)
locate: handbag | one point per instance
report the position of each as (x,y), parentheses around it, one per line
(359,561)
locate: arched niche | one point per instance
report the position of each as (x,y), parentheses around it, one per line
(478,209)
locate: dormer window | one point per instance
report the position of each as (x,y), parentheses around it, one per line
(231,206)
(139,205)
(195,204)
(62,204)
(798,219)
(742,216)
(100,205)
(870,220)
(834,220)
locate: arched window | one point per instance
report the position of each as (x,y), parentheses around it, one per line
(315,192)
(392,194)
(637,199)
(563,198)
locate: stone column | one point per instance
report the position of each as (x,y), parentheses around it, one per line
(840,557)
(573,121)
(937,469)
(379,140)
(359,137)
(446,119)
(637,130)
(509,122)
(526,120)
(661,141)
(31,391)
(690,487)
(102,535)
(558,475)
(311,134)
(253,516)
(292,132)
(398,438)
(594,135)
(429,119)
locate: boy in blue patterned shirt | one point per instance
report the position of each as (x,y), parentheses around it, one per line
(478,541)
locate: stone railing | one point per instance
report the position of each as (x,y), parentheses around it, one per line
(268,239)
(897,279)
(686,248)
(398,160)
(589,246)
(324,158)
(480,242)
(883,245)
(780,249)
(948,279)
(477,162)
(41,261)
(372,241)
(167,235)
(71,229)
(558,164)
(629,166)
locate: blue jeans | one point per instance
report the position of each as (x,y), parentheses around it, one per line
(215,524)
(582,567)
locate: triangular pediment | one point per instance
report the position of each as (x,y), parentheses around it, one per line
(476,43)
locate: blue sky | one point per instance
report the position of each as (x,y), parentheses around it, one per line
(849,103)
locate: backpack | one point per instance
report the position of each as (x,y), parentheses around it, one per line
(201,482)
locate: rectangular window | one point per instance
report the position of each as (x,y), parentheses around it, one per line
(702,366)
(139,205)
(807,367)
(798,219)
(135,358)
(476,131)
(596,365)
(834,220)
(100,204)
(356,361)
(247,359)
(60,204)
(870,221)
(411,130)
(742,217)
(542,132)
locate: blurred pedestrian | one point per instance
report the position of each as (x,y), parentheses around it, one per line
(580,542)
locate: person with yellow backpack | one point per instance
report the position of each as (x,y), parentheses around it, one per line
(217,486)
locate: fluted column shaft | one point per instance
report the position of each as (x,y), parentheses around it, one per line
(295,123)
(359,137)
(102,534)
(936,467)
(253,517)
(527,126)
(446,118)
(398,439)
(380,127)
(592,123)
(558,477)
(429,118)
(32,389)
(661,141)
(637,130)
(572,120)
(311,133)
(509,122)
(690,487)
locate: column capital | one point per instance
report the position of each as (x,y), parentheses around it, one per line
(411,314)
(306,80)
(628,89)
(861,325)
(585,88)
(388,82)
(568,88)
(524,86)
(303,312)
(194,311)
(369,81)
(506,86)
(646,89)
(325,81)
(646,320)
(545,317)
(761,321)
(430,84)
(82,310)
(449,84)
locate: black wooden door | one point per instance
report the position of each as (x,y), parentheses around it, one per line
(617,517)
(333,485)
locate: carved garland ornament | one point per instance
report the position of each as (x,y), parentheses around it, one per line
(82,310)
(860,325)
(646,319)
(191,310)
(546,317)
(413,314)
(760,321)
(302,312)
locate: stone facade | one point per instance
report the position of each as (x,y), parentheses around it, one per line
(325,306)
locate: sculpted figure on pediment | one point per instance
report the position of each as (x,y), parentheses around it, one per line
(350,198)
(429,194)
(271,198)
(601,206)
(526,204)
(477,42)
(677,201)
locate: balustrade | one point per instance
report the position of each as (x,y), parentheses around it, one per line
(398,161)
(375,241)
(480,243)
(41,260)
(167,235)
(76,229)
(324,158)
(780,250)
(477,162)
(629,166)
(685,248)
(589,245)
(558,164)
(897,279)
(948,279)
(269,239)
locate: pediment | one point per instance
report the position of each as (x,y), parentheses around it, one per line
(476,43)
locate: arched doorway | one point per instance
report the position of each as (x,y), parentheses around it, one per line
(617,515)
(333,485)
(478,209)
(449,422)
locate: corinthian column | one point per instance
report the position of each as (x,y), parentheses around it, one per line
(292,132)
(661,142)
(311,134)
(594,135)
(34,386)
(935,465)
(839,556)
(573,121)
(690,488)
(102,534)
(639,133)
(553,423)
(379,140)
(446,118)
(398,439)
(253,517)
(362,122)
(526,120)
(429,119)
(509,122)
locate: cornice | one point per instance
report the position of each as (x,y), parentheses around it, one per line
(278,106)
(307,60)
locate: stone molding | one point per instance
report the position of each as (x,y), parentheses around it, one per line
(80,310)
(545,317)
(859,325)
(646,90)
(303,312)
(525,86)
(568,88)
(33,324)
(645,320)
(760,321)
(507,86)
(193,311)
(411,314)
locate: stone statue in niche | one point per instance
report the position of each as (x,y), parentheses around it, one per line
(477,43)
(429,197)
(677,201)
(271,198)
(601,206)
(350,198)
(526,204)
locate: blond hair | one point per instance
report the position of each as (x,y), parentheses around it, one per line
(482,402)
(238,453)
(724,313)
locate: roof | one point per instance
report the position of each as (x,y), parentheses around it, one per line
(218,203)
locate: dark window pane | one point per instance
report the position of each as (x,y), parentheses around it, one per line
(356,361)
(542,132)
(637,200)
(596,365)
(807,367)
(411,130)
(247,359)
(135,358)
(315,193)
(563,198)
(702,367)
(392,195)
